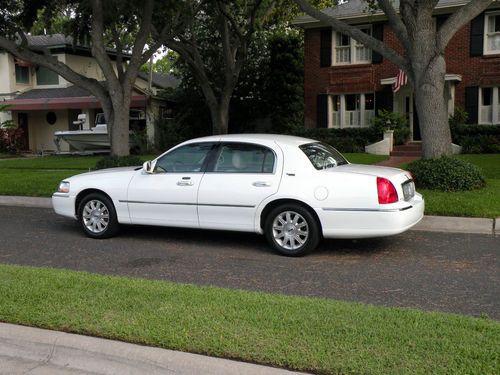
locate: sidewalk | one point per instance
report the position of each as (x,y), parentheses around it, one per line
(428,223)
(26,350)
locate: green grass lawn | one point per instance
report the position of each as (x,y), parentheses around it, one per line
(309,334)
(360,158)
(476,203)
(40,176)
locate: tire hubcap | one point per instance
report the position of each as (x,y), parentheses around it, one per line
(290,230)
(95,216)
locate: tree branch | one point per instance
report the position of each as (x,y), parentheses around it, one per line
(119,52)
(356,34)
(98,48)
(396,23)
(140,42)
(458,19)
(93,86)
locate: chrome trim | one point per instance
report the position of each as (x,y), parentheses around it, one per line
(189,204)
(368,209)
(60,195)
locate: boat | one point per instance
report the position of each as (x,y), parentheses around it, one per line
(95,139)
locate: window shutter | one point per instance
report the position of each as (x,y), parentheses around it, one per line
(378,33)
(325,53)
(477,35)
(322,111)
(472,103)
(384,99)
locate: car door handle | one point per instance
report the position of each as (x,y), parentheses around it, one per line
(262,184)
(185,183)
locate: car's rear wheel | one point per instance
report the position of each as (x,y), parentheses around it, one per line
(97,216)
(292,230)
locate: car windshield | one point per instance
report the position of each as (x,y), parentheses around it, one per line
(322,155)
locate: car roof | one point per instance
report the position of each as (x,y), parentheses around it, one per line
(289,140)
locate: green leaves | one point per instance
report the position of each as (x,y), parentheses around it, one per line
(446,174)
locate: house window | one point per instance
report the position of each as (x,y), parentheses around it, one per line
(352,110)
(492,33)
(489,105)
(349,51)
(22,74)
(46,76)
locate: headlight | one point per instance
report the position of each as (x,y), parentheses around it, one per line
(63,187)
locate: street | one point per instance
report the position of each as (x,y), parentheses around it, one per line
(456,273)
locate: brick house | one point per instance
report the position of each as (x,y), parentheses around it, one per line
(42,102)
(345,83)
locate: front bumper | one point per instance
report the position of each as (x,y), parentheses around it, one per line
(64,204)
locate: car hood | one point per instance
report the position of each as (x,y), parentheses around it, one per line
(372,170)
(107,172)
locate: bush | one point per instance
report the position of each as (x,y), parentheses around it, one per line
(476,139)
(459,117)
(386,120)
(11,140)
(118,161)
(446,174)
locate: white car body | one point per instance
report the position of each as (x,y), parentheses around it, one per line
(344,198)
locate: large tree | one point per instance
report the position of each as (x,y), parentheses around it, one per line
(422,59)
(124,25)
(214,44)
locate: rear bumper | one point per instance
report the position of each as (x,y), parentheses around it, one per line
(371,223)
(64,204)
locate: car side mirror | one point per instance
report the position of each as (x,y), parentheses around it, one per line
(149,166)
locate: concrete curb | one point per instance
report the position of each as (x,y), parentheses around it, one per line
(23,348)
(458,225)
(7,200)
(447,224)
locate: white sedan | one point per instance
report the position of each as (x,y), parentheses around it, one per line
(293,190)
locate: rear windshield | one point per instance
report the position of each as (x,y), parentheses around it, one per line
(322,155)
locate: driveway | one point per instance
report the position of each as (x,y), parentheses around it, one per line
(432,271)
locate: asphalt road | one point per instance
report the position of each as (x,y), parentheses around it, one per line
(432,271)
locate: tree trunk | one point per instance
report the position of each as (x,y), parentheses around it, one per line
(219,113)
(118,119)
(432,109)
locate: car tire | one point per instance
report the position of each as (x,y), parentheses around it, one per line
(97,216)
(292,230)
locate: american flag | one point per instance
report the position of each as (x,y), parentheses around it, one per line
(401,80)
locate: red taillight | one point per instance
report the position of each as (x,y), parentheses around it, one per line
(386,191)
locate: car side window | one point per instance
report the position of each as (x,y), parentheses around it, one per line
(186,159)
(244,158)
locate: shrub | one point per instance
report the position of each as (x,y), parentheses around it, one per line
(118,161)
(11,140)
(477,139)
(459,117)
(446,174)
(386,120)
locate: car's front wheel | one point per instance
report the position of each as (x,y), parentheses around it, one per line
(292,230)
(97,216)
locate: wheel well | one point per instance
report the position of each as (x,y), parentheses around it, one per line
(271,205)
(86,192)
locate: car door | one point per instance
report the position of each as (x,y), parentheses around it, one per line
(241,176)
(169,195)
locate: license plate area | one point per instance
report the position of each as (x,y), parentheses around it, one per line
(408,190)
